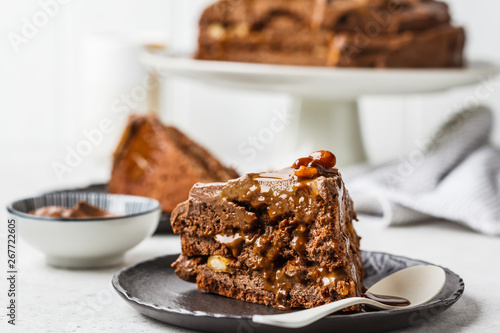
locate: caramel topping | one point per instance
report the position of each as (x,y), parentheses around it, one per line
(283,174)
(319,163)
(234,241)
(285,205)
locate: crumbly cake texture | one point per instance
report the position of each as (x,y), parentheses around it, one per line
(343,33)
(160,162)
(272,239)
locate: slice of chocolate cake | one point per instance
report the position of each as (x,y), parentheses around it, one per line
(283,238)
(342,33)
(160,162)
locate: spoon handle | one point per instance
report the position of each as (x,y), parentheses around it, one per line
(303,318)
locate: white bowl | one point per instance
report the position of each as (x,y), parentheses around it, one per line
(86,243)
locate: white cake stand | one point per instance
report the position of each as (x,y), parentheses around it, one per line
(325,97)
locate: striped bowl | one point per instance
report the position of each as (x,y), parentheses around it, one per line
(86,243)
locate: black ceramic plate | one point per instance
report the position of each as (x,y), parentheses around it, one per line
(152,288)
(164,226)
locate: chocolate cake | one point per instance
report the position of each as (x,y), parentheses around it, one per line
(283,238)
(160,162)
(343,33)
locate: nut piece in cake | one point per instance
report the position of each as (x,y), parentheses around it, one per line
(218,263)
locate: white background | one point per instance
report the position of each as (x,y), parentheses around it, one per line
(64,80)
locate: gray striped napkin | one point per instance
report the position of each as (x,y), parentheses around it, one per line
(454,176)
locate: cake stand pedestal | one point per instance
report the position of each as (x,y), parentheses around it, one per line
(325,99)
(329,124)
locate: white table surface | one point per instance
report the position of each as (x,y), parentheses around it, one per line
(58,300)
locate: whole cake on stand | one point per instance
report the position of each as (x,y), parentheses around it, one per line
(327,54)
(353,33)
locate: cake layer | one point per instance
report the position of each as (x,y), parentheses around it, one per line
(332,15)
(294,234)
(318,249)
(438,47)
(251,287)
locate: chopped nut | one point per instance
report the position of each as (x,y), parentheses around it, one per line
(218,263)
(343,289)
(306,173)
(241,30)
(216,31)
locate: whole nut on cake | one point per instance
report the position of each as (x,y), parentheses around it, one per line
(319,163)
(218,263)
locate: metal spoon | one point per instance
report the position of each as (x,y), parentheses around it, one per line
(418,284)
